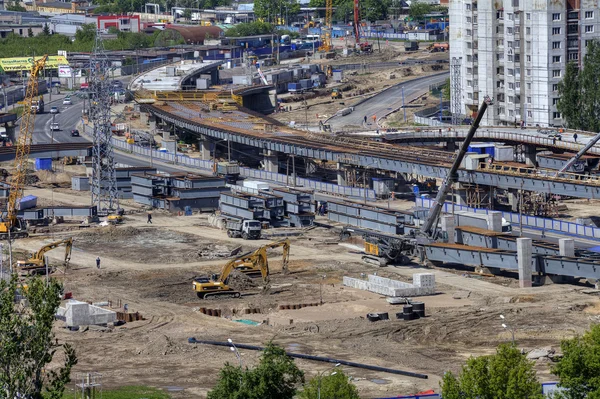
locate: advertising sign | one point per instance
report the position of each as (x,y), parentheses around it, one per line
(64,71)
(24,63)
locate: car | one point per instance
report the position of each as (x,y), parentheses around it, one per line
(74,133)
(54,126)
(67,101)
(54,110)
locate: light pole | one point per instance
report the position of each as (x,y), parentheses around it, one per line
(235,350)
(512,330)
(321,377)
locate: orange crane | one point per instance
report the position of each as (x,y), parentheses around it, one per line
(327,45)
(364,47)
(10,224)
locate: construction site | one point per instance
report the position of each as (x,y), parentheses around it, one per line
(312,216)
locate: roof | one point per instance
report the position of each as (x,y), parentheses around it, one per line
(55,4)
(196,34)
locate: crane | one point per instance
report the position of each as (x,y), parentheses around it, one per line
(363,47)
(11,223)
(248,264)
(37,261)
(327,45)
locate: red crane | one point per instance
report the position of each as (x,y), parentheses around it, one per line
(364,47)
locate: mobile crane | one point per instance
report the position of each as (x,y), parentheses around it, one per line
(382,248)
(249,264)
(10,224)
(37,263)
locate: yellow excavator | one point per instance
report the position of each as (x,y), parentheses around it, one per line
(248,264)
(37,263)
(10,224)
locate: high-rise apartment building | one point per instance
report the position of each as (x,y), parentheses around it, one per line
(516,52)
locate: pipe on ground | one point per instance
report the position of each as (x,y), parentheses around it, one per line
(315,358)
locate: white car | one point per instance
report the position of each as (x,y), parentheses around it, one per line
(67,101)
(54,110)
(54,126)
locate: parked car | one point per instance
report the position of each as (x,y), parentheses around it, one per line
(54,110)
(74,133)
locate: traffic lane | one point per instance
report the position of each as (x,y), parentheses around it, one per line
(388,100)
(67,118)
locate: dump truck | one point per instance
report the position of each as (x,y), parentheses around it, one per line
(246,229)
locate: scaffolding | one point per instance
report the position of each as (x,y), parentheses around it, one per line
(455,90)
(88,386)
(104,182)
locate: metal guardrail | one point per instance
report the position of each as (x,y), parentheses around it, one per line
(528,221)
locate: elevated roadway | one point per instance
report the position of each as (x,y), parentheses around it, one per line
(252,130)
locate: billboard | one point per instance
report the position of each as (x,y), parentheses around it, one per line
(64,71)
(25,63)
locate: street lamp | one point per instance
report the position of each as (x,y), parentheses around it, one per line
(321,377)
(235,351)
(512,331)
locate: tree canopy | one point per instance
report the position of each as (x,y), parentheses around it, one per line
(271,10)
(370,10)
(579,368)
(579,101)
(333,386)
(27,343)
(250,29)
(505,375)
(418,10)
(275,377)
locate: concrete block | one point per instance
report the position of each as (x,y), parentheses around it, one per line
(566,247)
(394,288)
(424,280)
(524,248)
(495,221)
(78,313)
(448,228)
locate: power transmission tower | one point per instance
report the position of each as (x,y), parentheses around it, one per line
(104,182)
(455,90)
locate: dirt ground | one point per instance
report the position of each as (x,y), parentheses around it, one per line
(150,268)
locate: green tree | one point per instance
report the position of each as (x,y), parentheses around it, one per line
(270,10)
(579,368)
(446,89)
(86,33)
(27,343)
(45,30)
(336,386)
(275,377)
(590,84)
(250,29)
(569,103)
(374,10)
(187,14)
(418,10)
(15,6)
(505,375)
(29,32)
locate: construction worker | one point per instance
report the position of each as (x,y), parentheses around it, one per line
(365,119)
(149,218)
(575,137)
(98,262)
(374,118)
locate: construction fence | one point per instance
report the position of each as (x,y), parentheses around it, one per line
(533,222)
(279,178)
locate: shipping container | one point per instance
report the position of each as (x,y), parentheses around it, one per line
(43,164)
(504,153)
(257,185)
(294,87)
(27,202)
(80,183)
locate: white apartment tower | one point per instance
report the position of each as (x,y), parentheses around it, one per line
(516,51)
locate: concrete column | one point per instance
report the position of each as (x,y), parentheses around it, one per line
(166,135)
(152,124)
(204,148)
(524,249)
(513,200)
(530,155)
(451,146)
(271,161)
(495,221)
(566,247)
(341,175)
(448,228)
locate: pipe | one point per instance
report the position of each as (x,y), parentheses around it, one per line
(315,358)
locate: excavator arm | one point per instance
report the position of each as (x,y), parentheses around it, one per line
(68,243)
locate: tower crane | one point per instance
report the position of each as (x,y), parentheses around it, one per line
(327,45)
(10,223)
(364,47)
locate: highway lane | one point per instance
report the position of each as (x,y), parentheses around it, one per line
(386,101)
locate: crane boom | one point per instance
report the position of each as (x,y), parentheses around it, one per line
(428,227)
(356,21)
(327,45)
(572,161)
(23,146)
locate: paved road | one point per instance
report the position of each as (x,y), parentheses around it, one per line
(386,101)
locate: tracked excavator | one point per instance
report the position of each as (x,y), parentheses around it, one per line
(37,263)
(249,264)
(381,249)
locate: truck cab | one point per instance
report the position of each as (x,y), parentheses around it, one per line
(247,229)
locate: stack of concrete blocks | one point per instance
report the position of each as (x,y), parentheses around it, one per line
(423,284)
(77,313)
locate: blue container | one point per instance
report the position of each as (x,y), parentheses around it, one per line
(27,202)
(490,151)
(43,164)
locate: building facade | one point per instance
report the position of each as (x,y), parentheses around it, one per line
(516,52)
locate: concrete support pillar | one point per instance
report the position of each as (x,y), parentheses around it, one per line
(166,135)
(448,228)
(566,247)
(513,200)
(524,249)
(204,148)
(451,145)
(341,175)
(152,124)
(271,161)
(530,155)
(495,221)
(143,117)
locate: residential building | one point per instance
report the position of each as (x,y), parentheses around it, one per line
(124,23)
(516,51)
(50,8)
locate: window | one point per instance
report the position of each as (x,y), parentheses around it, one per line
(511,112)
(518,71)
(554,101)
(501,110)
(511,99)
(528,58)
(469,71)
(469,32)
(517,43)
(510,58)
(589,28)
(528,86)
(500,42)
(528,100)
(528,44)
(572,29)
(556,58)
(518,85)
(589,14)
(470,96)
(556,31)
(573,56)
(556,115)
(511,16)
(509,44)
(529,114)
(468,6)
(556,73)
(517,30)
(469,58)
(556,16)
(500,56)
(572,43)
(555,87)
(509,30)
(499,14)
(528,31)
(528,16)
(469,45)
(474,20)
(529,72)
(517,58)
(511,72)
(555,45)
(587,42)
(468,20)
(469,83)
(511,85)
